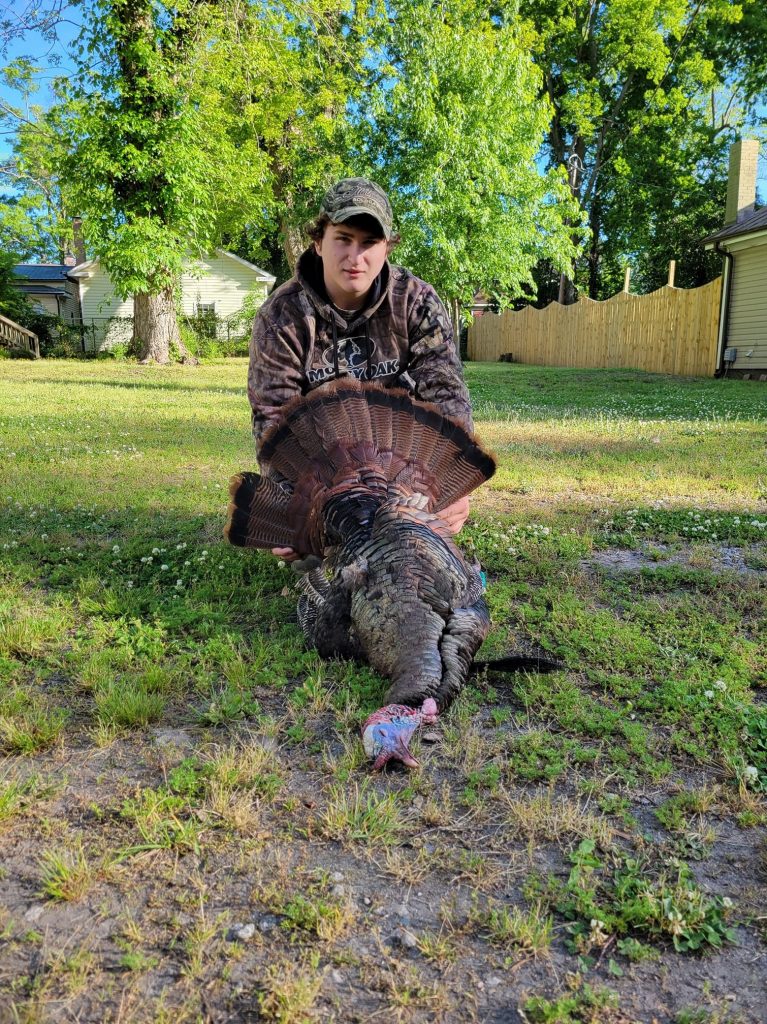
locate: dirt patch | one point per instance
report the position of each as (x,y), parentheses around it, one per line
(715,558)
(209,934)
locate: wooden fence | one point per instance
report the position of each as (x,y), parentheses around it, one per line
(672,330)
(12,335)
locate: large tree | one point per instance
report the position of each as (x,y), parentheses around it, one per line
(452,125)
(151,160)
(631,85)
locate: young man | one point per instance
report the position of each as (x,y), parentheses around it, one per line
(348,311)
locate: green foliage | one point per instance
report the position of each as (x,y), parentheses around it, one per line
(453,130)
(586,1005)
(646,100)
(636,900)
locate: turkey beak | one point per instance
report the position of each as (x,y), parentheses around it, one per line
(405,756)
(399,753)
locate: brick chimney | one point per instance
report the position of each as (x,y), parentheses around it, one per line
(79,244)
(741,180)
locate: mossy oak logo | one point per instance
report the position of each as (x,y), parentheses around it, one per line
(352,362)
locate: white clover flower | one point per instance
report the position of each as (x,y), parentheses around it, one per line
(750,773)
(280,564)
(155,551)
(709,694)
(727,902)
(129,584)
(179,583)
(163,567)
(720,685)
(115,548)
(43,536)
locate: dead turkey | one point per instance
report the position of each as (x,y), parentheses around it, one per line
(355,474)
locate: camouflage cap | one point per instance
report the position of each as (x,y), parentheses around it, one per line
(355,197)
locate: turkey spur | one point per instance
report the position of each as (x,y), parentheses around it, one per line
(356,474)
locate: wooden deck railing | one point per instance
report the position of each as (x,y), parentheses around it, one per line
(13,335)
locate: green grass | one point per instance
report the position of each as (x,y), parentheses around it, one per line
(625,533)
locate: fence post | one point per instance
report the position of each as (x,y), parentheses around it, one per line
(627,278)
(671,272)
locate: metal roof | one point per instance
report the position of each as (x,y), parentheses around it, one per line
(756,221)
(42,271)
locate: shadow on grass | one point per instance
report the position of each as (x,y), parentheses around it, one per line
(143,385)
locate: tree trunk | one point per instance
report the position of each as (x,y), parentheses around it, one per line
(455,316)
(595,252)
(292,242)
(155,328)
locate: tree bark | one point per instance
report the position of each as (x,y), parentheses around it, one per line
(155,328)
(293,243)
(455,316)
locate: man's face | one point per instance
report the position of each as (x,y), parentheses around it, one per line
(352,259)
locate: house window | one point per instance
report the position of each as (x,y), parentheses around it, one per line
(205,314)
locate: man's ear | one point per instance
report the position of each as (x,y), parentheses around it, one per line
(318,247)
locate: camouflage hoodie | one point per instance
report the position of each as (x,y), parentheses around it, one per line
(403,338)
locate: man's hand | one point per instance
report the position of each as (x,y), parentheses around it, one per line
(455,515)
(286,554)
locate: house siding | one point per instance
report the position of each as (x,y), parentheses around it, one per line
(100,305)
(220,281)
(747,329)
(225,284)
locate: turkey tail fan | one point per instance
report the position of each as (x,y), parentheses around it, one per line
(349,434)
(412,442)
(258,513)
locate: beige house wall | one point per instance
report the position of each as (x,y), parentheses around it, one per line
(747,325)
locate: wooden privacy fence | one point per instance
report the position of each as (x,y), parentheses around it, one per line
(672,330)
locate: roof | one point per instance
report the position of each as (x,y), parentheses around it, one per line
(755,221)
(263,274)
(34,289)
(42,271)
(82,269)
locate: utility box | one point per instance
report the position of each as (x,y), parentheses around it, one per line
(730,355)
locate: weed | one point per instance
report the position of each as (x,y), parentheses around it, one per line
(637,900)
(137,961)
(544,816)
(127,704)
(314,913)
(249,765)
(160,817)
(438,947)
(34,728)
(288,992)
(527,931)
(228,704)
(586,1006)
(14,796)
(359,814)
(67,874)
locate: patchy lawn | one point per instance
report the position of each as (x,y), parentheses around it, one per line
(188,831)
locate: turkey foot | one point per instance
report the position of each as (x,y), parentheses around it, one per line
(387,732)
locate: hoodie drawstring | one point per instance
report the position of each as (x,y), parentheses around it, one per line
(335,348)
(368,352)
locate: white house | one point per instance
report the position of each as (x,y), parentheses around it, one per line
(217,286)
